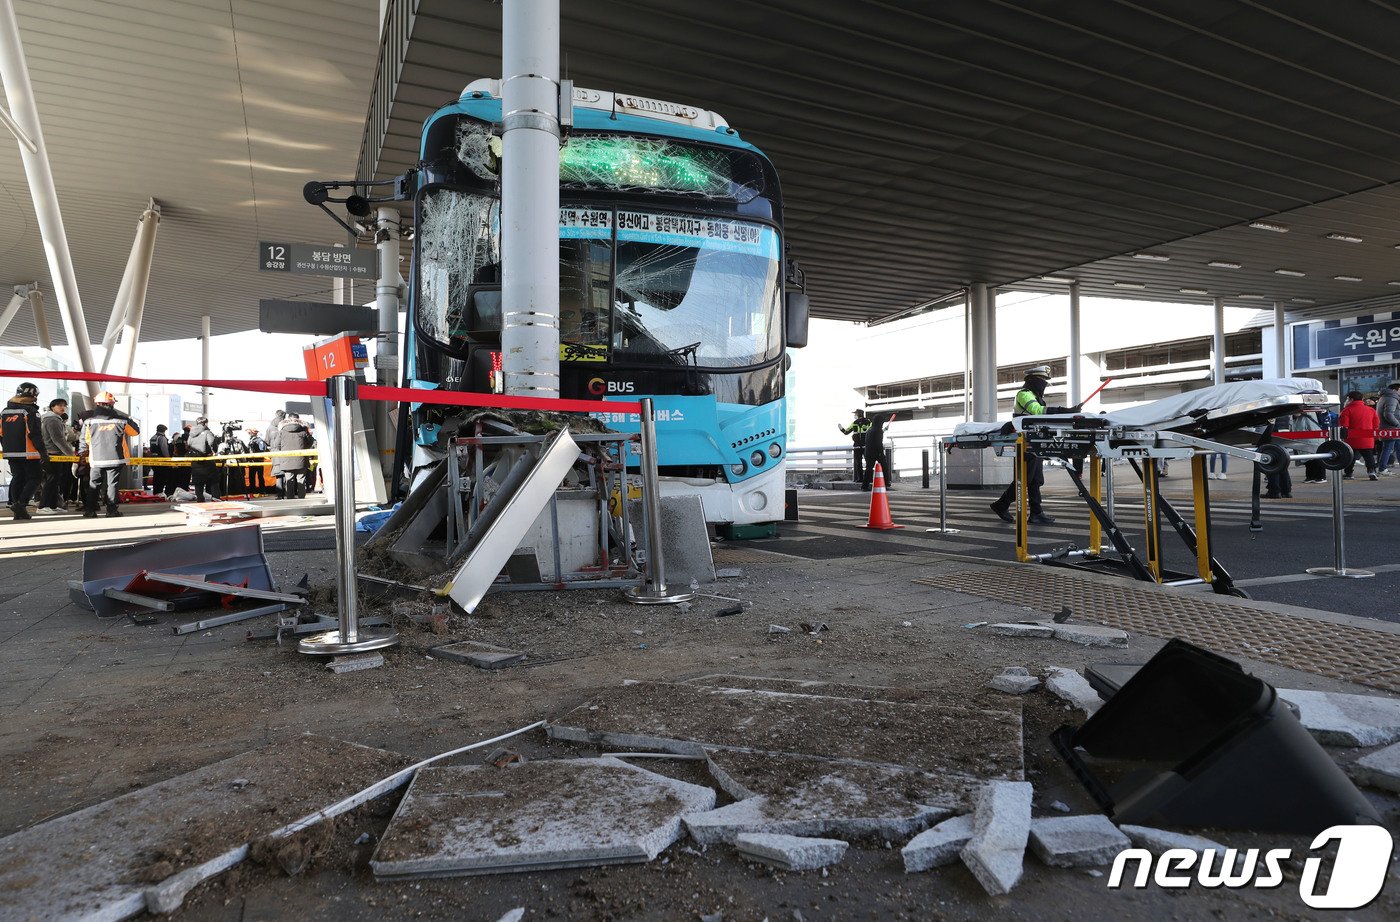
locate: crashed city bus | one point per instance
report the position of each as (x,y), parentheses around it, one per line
(673,283)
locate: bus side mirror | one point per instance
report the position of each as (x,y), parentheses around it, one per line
(796,316)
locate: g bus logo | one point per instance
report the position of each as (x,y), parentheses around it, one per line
(598,387)
(1363,856)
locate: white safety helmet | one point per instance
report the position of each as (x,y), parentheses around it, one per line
(1039,371)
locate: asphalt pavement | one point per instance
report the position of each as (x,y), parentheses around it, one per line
(1269,564)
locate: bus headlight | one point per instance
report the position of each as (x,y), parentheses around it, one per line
(757,458)
(774,450)
(738,469)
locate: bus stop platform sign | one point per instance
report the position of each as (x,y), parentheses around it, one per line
(317,259)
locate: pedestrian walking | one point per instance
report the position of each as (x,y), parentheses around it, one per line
(22,441)
(1360,422)
(1388,409)
(1224,465)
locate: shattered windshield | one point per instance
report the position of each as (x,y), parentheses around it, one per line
(458,244)
(696,290)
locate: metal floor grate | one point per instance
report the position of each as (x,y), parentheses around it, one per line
(1320,647)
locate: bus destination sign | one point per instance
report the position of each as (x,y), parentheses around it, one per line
(317,259)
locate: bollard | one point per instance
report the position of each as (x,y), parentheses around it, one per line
(1339,538)
(349,638)
(943,452)
(653,590)
(925,460)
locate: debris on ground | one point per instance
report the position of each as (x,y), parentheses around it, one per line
(933,848)
(473,819)
(1081,841)
(1014,680)
(791,853)
(355,662)
(1337,719)
(1072,687)
(1380,769)
(480,655)
(779,629)
(1085,635)
(1018,629)
(1158,841)
(1001,828)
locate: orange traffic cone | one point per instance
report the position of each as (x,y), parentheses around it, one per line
(880,504)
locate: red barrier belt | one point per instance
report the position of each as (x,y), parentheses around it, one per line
(304,388)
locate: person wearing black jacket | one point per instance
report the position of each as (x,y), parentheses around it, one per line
(160,474)
(203,443)
(256,443)
(22,439)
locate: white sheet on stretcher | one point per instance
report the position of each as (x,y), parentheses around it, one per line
(1177,410)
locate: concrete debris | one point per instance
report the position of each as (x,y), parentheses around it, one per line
(480,655)
(1001,827)
(1021,630)
(1336,719)
(355,662)
(1158,841)
(1059,806)
(1014,680)
(503,757)
(791,853)
(1088,635)
(938,846)
(515,915)
(1076,841)
(1072,687)
(779,629)
(729,573)
(476,819)
(779,816)
(1380,769)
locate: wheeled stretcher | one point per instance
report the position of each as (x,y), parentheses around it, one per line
(1226,419)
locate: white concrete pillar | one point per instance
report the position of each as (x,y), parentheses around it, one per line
(1217,349)
(982,320)
(204,364)
(14,74)
(1282,367)
(338,284)
(530,197)
(386,301)
(16,302)
(1073,372)
(125,351)
(41,322)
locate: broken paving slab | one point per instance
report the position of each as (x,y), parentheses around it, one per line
(1070,686)
(1337,719)
(791,853)
(1014,680)
(99,861)
(480,655)
(1157,841)
(823,687)
(688,719)
(938,846)
(1001,826)
(808,796)
(1017,629)
(1083,841)
(1085,635)
(1380,769)
(478,819)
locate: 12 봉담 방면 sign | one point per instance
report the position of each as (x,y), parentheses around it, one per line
(317,259)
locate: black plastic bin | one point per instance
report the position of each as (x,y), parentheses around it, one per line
(1191,740)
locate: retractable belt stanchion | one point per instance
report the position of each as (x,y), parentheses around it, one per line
(944,449)
(349,638)
(653,590)
(1339,538)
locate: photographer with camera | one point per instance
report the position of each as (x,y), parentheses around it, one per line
(231,444)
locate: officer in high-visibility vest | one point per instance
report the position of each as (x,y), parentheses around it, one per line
(1030,401)
(857,431)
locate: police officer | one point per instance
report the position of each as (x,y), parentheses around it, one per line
(105,431)
(203,443)
(22,440)
(1030,401)
(256,444)
(857,430)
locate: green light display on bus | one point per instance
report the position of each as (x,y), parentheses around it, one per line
(644,163)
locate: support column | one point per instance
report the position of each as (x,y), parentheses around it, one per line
(16,302)
(386,302)
(41,322)
(530,197)
(204,365)
(982,319)
(1281,363)
(125,351)
(1217,349)
(1073,370)
(14,74)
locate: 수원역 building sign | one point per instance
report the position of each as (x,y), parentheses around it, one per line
(317,259)
(1354,341)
